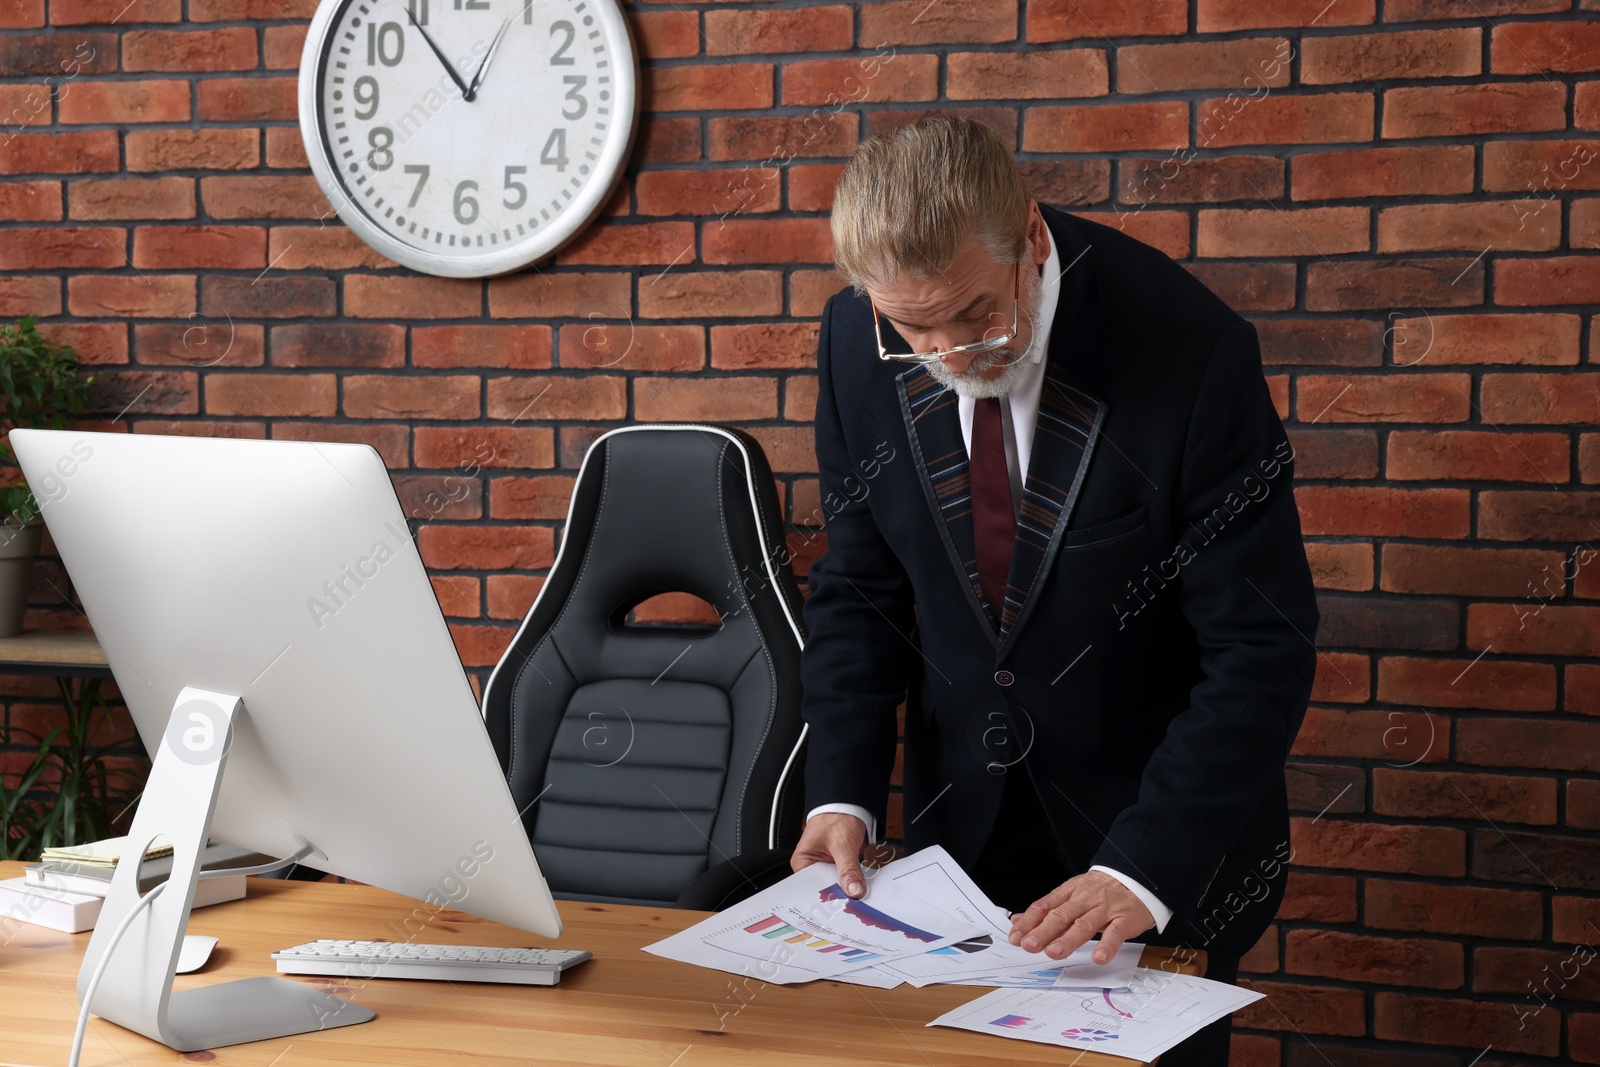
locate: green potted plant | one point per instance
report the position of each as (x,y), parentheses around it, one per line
(39,388)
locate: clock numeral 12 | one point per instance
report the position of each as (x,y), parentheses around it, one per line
(419,11)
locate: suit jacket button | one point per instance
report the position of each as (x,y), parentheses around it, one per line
(1004,678)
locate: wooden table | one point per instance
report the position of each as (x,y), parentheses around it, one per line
(62,653)
(624,1007)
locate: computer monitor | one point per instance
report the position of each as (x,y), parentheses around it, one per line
(282,574)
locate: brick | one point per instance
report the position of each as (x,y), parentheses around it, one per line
(811,186)
(800,401)
(82,152)
(778,138)
(1422,10)
(281,47)
(1321,788)
(511,595)
(1470,1023)
(246,10)
(131,198)
(1430,170)
(338,345)
(94,342)
(393,396)
(486,547)
(494,447)
(1534,743)
(246,99)
(772,241)
(1535,628)
(1051,75)
(1426,850)
(93,12)
(214,247)
(558,396)
(915,22)
(708,86)
(1065,182)
(764,345)
(631,347)
(389,440)
(811,29)
(1504,798)
(1506,225)
(901,77)
(1468,110)
(1530,515)
(25,201)
(264,197)
(37,295)
(458,594)
(154,296)
(1306,1009)
(669,141)
(200,343)
(124,102)
(1462,683)
(58,54)
(789,449)
(1306,232)
(707,192)
(633,243)
(711,294)
(510,347)
(1323,898)
(25,105)
(273,395)
(1548,280)
(716,399)
(1544,168)
(1346,566)
(666,34)
(1476,455)
(1389,397)
(57,247)
(1540,858)
(268,297)
(1350,284)
(329,248)
(1583,804)
(427,497)
(147,392)
(1471,572)
(1399,738)
(1528,397)
(374,296)
(1427,963)
(1180,179)
(22,15)
(480,646)
(1574,920)
(286,149)
(1364,57)
(809,290)
(1308,119)
(1218,15)
(1262,958)
(1068,20)
(530,498)
(1368,623)
(1107,127)
(1249,286)
(1519,337)
(1545,48)
(189,427)
(213,149)
(189,51)
(1243,64)
(1453,909)
(1320,342)
(1342,678)
(1540,974)
(1582,689)
(567,294)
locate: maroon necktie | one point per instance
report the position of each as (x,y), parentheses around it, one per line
(994,521)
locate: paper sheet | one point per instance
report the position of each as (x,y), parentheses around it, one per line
(1146,1016)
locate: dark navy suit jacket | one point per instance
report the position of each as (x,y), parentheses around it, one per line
(1154,655)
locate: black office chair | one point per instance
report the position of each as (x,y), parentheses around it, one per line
(659,764)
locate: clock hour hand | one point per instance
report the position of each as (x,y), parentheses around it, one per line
(465,92)
(483,68)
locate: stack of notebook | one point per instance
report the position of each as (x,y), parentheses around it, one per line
(66,888)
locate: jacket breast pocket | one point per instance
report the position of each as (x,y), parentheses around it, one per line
(1103,532)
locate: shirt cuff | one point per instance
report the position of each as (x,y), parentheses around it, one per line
(850,809)
(1159,911)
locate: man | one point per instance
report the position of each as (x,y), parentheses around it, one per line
(1083,564)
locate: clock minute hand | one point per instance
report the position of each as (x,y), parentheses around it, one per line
(483,67)
(442,60)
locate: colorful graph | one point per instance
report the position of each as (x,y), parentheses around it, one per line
(1085,1034)
(775,928)
(1012,1021)
(870,916)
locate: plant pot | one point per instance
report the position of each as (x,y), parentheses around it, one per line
(18,547)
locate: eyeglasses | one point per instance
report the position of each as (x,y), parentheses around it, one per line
(988,344)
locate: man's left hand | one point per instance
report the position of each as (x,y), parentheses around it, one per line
(1068,916)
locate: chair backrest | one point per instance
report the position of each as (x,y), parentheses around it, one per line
(642,755)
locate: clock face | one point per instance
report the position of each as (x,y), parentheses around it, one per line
(466,138)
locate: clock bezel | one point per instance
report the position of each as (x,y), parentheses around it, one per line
(573,219)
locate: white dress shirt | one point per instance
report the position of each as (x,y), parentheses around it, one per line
(1022,405)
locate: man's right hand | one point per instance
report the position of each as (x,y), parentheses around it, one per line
(836,838)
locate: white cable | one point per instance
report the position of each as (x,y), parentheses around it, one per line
(127,920)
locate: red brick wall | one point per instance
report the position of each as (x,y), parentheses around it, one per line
(1399,194)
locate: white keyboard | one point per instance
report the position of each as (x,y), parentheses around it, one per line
(440,963)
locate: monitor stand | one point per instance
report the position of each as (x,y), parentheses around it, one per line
(136,989)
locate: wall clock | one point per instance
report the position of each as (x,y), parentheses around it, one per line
(468,138)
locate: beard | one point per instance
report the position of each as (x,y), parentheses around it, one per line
(1013,357)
